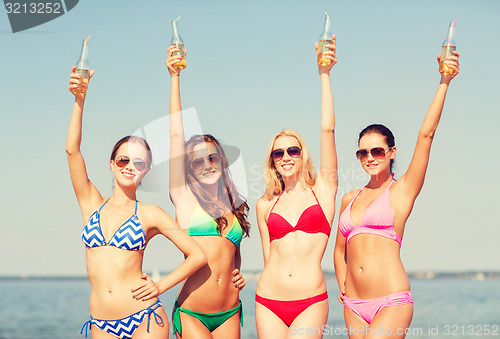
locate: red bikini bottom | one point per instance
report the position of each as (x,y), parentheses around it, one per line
(288,310)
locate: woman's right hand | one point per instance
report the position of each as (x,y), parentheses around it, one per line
(453,64)
(77,86)
(173,59)
(342,296)
(238,280)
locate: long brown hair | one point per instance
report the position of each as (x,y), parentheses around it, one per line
(227,190)
(274,182)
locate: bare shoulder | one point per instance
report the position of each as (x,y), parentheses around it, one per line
(264,205)
(94,205)
(263,202)
(151,214)
(346,199)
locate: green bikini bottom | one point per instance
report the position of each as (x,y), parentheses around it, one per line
(210,320)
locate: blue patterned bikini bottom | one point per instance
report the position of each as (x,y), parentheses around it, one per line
(125,328)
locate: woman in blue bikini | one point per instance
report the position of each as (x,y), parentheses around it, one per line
(123,300)
(210,208)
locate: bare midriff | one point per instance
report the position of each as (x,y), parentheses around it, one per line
(374,267)
(293,270)
(113,273)
(211,289)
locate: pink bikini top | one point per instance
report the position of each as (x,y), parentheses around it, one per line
(377,219)
(312,220)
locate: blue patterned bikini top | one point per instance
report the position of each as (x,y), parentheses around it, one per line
(129,236)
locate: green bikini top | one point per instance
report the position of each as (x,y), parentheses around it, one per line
(202,223)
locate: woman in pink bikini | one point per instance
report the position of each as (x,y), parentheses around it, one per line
(294,217)
(374,287)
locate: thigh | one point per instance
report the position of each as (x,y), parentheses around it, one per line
(269,326)
(231,328)
(192,328)
(155,330)
(355,325)
(97,333)
(310,322)
(391,322)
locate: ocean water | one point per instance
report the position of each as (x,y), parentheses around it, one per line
(444,308)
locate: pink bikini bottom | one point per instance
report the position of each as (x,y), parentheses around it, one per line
(368,308)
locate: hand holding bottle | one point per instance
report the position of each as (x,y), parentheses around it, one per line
(173,59)
(328,54)
(452,65)
(77,84)
(179,44)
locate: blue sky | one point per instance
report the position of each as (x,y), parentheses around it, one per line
(251,72)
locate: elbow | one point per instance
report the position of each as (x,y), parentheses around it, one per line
(175,134)
(70,151)
(338,255)
(328,129)
(202,259)
(427,134)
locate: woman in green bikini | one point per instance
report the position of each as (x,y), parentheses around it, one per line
(209,207)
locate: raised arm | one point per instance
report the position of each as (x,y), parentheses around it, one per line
(195,258)
(85,191)
(177,180)
(412,181)
(327,182)
(328,167)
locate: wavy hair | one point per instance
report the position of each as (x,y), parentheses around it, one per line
(227,190)
(274,181)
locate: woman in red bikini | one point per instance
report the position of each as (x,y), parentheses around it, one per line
(374,287)
(294,217)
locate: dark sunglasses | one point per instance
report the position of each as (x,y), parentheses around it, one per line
(214,159)
(122,161)
(279,153)
(377,153)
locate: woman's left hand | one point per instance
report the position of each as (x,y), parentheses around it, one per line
(238,280)
(147,290)
(329,53)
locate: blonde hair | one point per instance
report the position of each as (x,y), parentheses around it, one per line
(274,182)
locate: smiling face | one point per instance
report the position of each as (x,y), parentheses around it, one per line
(130,164)
(379,164)
(206,163)
(288,166)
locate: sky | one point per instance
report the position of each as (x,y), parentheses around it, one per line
(251,72)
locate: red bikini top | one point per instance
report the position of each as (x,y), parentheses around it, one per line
(312,220)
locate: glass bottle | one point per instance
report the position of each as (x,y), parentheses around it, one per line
(83,67)
(449,46)
(177,42)
(324,39)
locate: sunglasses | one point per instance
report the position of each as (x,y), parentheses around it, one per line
(377,153)
(122,161)
(279,153)
(214,159)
